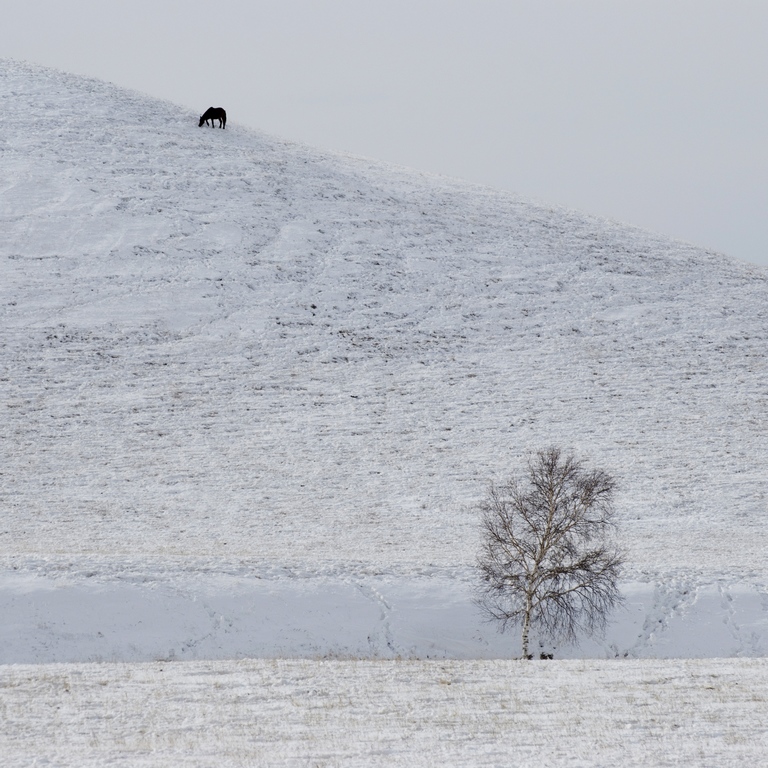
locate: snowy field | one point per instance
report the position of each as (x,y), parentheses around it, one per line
(197,613)
(251,392)
(396,713)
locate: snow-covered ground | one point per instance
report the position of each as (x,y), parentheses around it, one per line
(197,613)
(252,390)
(394,713)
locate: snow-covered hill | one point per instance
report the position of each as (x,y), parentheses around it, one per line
(226,356)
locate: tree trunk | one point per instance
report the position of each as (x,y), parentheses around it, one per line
(526,626)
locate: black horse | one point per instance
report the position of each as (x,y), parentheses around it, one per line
(213,113)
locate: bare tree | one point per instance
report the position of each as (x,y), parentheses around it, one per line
(547,558)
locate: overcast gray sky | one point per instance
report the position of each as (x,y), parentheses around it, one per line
(649,111)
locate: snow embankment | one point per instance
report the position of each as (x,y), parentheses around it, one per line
(196,612)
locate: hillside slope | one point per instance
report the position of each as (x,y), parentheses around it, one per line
(223,350)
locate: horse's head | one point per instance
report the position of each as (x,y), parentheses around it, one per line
(202,120)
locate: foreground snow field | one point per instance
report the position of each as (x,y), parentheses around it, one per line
(239,375)
(342,713)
